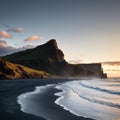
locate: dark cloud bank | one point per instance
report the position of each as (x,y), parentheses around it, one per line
(5,49)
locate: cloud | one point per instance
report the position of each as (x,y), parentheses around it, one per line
(4,26)
(16,30)
(113,70)
(27,47)
(5,49)
(32,38)
(9,28)
(75,61)
(112,63)
(5,34)
(3,43)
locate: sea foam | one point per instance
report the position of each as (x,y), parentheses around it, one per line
(30,104)
(96,99)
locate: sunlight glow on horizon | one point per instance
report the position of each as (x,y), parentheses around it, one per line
(112,70)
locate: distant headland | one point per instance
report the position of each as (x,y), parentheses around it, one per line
(45,61)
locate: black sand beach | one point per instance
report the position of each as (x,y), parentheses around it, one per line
(10,109)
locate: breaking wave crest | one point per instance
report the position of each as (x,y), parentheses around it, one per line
(96,99)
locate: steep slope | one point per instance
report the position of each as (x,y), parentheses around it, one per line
(14,71)
(48,57)
(47,50)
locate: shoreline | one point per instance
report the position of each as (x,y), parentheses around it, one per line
(10,90)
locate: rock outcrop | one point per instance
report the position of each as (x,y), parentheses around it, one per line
(48,57)
(94,69)
(9,70)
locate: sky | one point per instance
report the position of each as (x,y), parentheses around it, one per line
(87,31)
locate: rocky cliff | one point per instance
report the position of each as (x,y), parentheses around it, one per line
(9,70)
(48,57)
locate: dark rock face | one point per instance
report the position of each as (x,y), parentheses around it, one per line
(48,57)
(94,69)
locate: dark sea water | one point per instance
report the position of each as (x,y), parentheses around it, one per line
(96,99)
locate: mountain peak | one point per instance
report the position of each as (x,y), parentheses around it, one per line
(52,44)
(48,57)
(52,41)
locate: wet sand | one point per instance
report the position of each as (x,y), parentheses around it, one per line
(10,109)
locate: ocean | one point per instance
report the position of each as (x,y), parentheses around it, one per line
(97,99)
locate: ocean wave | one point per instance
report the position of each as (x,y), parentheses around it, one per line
(100,89)
(29,100)
(89,101)
(95,100)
